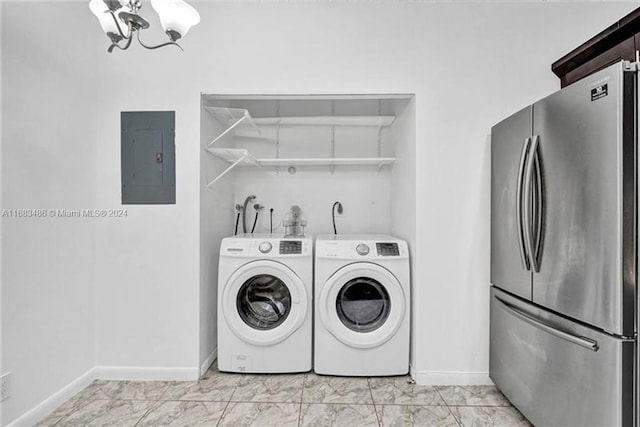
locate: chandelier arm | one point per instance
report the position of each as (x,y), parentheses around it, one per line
(118,25)
(126,46)
(158,46)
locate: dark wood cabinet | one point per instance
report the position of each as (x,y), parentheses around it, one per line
(618,42)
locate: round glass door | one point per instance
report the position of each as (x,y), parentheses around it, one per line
(363,304)
(263,302)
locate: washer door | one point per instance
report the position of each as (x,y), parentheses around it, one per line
(264,302)
(362,305)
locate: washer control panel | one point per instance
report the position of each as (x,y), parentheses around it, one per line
(387,249)
(265,247)
(290,247)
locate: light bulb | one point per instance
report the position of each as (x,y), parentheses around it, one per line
(176,17)
(101,11)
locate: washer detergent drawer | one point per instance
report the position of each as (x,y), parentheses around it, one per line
(557,372)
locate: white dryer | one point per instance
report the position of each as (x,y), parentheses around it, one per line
(264,304)
(362,305)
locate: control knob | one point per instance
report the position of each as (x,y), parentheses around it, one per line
(265,247)
(362,249)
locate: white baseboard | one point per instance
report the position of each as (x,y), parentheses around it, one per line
(44,408)
(139,373)
(450,377)
(208,361)
(412,373)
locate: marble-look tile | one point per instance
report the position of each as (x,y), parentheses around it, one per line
(108,413)
(78,401)
(476,395)
(411,415)
(261,414)
(270,388)
(489,416)
(217,387)
(403,391)
(51,420)
(332,414)
(132,390)
(186,413)
(324,389)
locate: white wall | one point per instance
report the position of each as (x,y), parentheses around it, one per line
(364,195)
(2,370)
(216,219)
(469,64)
(147,264)
(403,201)
(48,162)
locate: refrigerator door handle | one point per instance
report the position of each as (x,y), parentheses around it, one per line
(537,248)
(587,343)
(528,219)
(519,203)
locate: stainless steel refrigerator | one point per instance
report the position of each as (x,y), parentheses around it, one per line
(564,225)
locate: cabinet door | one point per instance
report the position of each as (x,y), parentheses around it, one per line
(510,269)
(625,50)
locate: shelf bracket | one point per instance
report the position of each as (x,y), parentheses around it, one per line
(278,143)
(333,137)
(380,136)
(227,130)
(233,165)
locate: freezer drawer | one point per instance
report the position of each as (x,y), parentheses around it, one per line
(556,372)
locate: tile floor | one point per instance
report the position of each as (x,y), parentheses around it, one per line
(222,399)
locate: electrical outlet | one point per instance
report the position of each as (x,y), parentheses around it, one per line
(5,386)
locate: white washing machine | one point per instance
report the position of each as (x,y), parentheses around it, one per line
(265,289)
(362,305)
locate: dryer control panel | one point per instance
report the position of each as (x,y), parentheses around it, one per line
(387,249)
(361,247)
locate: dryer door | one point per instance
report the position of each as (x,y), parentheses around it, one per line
(362,305)
(264,302)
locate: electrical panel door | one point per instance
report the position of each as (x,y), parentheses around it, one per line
(148,157)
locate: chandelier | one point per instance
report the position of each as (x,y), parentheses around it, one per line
(120,20)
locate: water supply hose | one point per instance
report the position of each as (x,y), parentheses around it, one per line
(333,214)
(271,221)
(255,221)
(235,233)
(244,212)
